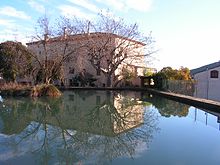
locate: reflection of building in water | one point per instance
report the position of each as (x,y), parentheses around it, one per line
(131,113)
(102,113)
(97,113)
(207,117)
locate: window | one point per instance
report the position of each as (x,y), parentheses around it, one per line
(70,82)
(214,74)
(71,70)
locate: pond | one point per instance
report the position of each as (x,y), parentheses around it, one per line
(106,127)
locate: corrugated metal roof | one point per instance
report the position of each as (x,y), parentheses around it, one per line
(205,67)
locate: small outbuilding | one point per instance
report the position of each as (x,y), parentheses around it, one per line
(207,81)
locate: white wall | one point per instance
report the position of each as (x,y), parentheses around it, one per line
(206,87)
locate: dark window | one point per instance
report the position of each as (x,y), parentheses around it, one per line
(70,82)
(71,70)
(214,74)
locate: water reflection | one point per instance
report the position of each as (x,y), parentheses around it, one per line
(85,127)
(170,108)
(166,107)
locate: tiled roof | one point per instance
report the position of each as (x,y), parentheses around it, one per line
(205,67)
(84,35)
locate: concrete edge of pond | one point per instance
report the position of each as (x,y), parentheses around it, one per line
(197,102)
(190,100)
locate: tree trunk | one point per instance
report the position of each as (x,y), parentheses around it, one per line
(109,80)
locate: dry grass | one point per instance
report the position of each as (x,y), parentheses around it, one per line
(14,86)
(45,90)
(15,89)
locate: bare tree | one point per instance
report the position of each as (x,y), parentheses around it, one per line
(52,49)
(106,45)
(113,43)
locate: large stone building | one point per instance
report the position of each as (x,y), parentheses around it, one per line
(93,54)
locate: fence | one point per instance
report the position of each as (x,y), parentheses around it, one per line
(185,87)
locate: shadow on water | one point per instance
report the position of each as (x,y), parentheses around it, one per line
(93,127)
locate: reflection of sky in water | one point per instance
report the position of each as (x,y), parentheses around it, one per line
(12,149)
(1,99)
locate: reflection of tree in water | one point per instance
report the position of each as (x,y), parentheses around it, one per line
(12,115)
(99,134)
(17,113)
(168,107)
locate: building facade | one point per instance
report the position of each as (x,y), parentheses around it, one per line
(93,54)
(207,81)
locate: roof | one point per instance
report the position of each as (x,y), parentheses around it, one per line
(205,68)
(144,67)
(73,37)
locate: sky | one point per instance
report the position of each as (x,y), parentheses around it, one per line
(187,32)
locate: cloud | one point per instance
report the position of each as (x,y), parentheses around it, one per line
(86,4)
(116,4)
(141,5)
(8,23)
(125,5)
(11,30)
(12,12)
(13,34)
(70,11)
(8,35)
(37,6)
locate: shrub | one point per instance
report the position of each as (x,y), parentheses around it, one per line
(45,90)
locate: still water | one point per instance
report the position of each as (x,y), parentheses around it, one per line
(99,127)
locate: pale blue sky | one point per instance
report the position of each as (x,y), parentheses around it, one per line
(187,32)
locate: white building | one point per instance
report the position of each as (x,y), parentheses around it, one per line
(207,81)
